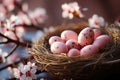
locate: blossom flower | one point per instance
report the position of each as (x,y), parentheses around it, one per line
(3,12)
(24,19)
(26,72)
(10,71)
(96,21)
(38,16)
(8,30)
(25,7)
(49,29)
(10,27)
(10,4)
(3,9)
(71,9)
(117,22)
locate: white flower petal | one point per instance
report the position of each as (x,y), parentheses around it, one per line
(28,78)
(64,14)
(33,71)
(70,16)
(95,18)
(26,68)
(23,77)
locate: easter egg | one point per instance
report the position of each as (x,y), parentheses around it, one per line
(55,39)
(73,52)
(97,32)
(59,47)
(86,36)
(88,51)
(69,34)
(72,44)
(101,41)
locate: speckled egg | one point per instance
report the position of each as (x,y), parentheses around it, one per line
(86,36)
(55,39)
(59,47)
(72,44)
(88,51)
(101,41)
(97,32)
(69,34)
(73,52)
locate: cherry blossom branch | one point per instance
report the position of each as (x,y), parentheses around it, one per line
(17,43)
(16,35)
(31,26)
(13,64)
(4,42)
(12,50)
(9,65)
(9,40)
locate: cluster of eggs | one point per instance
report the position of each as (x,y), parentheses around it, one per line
(87,43)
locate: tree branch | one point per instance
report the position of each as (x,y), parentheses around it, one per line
(15,41)
(4,42)
(13,49)
(13,64)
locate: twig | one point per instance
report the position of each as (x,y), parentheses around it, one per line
(13,49)
(12,64)
(31,26)
(16,35)
(4,42)
(15,41)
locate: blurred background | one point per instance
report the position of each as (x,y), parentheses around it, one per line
(109,9)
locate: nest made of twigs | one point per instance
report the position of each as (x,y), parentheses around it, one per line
(107,61)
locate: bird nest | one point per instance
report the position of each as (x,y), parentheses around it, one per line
(105,62)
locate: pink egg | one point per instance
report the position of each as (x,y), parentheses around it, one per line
(88,51)
(86,36)
(73,52)
(59,47)
(72,44)
(55,39)
(69,34)
(97,32)
(101,41)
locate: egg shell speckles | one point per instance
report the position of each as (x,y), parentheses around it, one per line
(101,41)
(97,32)
(69,34)
(59,47)
(72,44)
(86,36)
(88,51)
(73,52)
(55,39)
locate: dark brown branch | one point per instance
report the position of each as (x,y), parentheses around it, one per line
(15,41)
(13,49)
(12,64)
(4,42)
(16,35)
(31,26)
